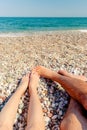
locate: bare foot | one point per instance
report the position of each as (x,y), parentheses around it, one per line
(34,78)
(24,82)
(41,70)
(65,73)
(46,73)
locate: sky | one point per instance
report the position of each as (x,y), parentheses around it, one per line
(43,8)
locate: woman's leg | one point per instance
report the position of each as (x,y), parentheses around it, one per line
(8,113)
(76,88)
(35,119)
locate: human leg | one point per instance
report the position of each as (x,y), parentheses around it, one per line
(65,73)
(8,113)
(35,119)
(76,88)
(74,119)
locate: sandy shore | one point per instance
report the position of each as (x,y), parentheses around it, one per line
(54,50)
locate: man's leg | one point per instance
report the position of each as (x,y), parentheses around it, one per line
(65,73)
(73,119)
(76,88)
(35,119)
(8,113)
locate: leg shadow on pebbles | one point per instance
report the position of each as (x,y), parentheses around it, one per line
(54,102)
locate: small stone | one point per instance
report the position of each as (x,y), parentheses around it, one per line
(45,92)
(41,100)
(60,113)
(47,119)
(50,115)
(45,110)
(53,104)
(20,111)
(55,127)
(48,103)
(54,117)
(21,105)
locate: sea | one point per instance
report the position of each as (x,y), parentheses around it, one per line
(34,24)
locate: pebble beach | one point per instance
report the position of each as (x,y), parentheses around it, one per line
(54,50)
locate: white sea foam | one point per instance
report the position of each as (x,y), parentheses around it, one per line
(84,30)
(13,34)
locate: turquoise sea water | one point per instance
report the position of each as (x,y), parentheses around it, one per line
(27,24)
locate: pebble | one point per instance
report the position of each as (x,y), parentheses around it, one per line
(50,114)
(53,104)
(45,110)
(21,54)
(54,117)
(19,111)
(47,120)
(60,113)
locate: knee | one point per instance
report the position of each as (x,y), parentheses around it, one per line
(68,122)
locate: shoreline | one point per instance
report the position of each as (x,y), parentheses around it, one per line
(29,33)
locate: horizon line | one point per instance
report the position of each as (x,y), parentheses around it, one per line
(47,16)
